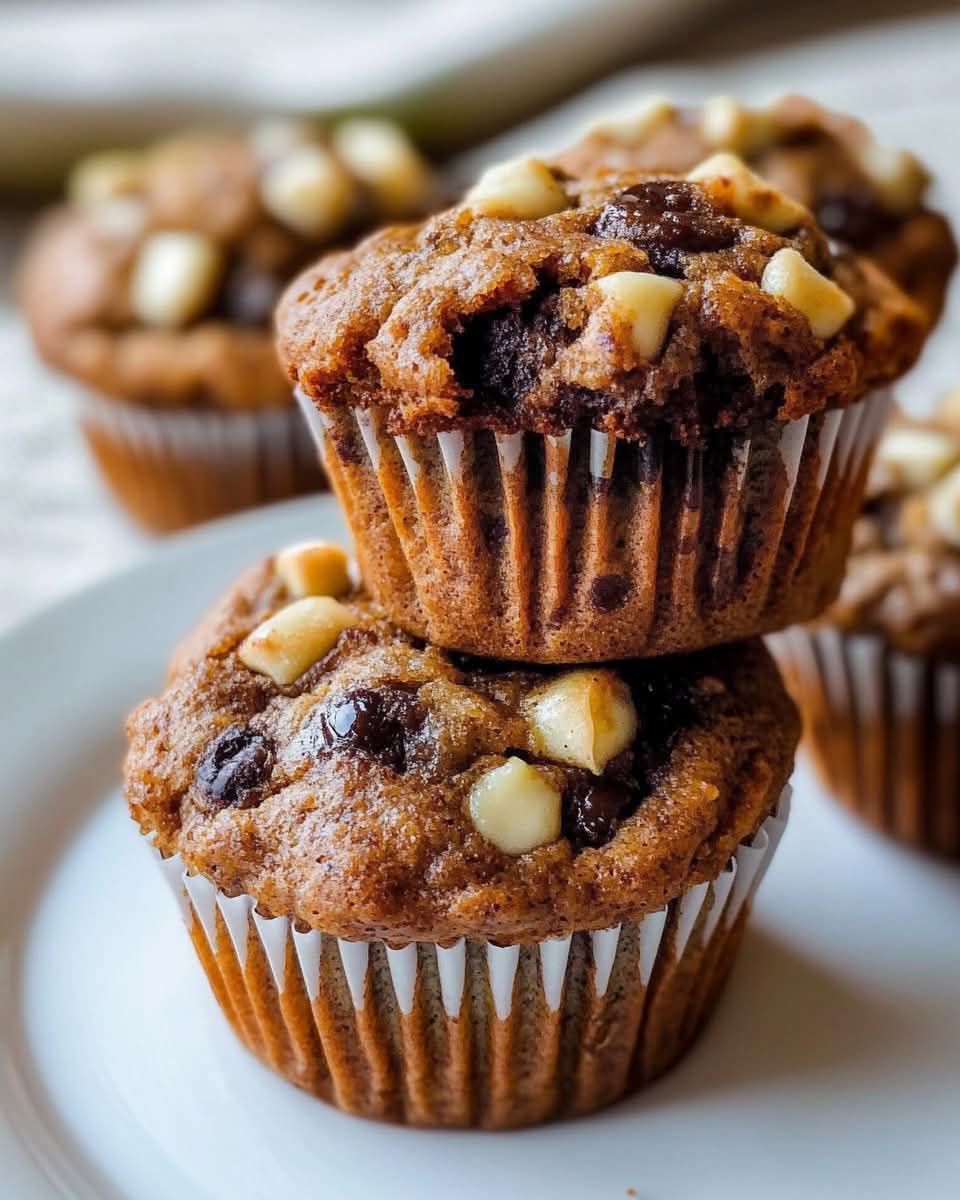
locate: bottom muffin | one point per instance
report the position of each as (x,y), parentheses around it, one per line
(443,890)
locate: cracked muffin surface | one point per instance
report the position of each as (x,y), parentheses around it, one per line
(367,795)
(487,317)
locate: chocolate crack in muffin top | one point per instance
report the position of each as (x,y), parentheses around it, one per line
(537,323)
(903,577)
(349,797)
(866,195)
(157,282)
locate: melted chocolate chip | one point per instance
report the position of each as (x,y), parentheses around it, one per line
(609,592)
(669,219)
(248,295)
(381,722)
(234,768)
(593,809)
(853,216)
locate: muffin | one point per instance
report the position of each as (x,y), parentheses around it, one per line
(575,420)
(442,890)
(868,196)
(878,678)
(154,288)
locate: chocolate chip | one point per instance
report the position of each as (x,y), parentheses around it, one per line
(593,809)
(248,295)
(381,722)
(668,218)
(853,216)
(234,768)
(609,592)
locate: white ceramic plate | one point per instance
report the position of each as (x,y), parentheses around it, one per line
(832,1068)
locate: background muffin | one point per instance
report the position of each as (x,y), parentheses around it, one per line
(155,286)
(451,891)
(870,197)
(878,679)
(572,420)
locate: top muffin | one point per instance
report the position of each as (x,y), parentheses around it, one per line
(903,578)
(156,283)
(869,196)
(547,300)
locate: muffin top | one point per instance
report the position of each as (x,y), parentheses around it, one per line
(156,282)
(308,753)
(903,578)
(545,300)
(869,196)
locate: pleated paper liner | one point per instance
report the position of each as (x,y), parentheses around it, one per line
(173,468)
(582,547)
(883,730)
(472,1033)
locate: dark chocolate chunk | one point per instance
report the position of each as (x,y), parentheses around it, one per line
(593,809)
(668,218)
(234,768)
(609,592)
(381,722)
(853,216)
(249,295)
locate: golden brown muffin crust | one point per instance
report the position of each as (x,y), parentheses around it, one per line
(474,321)
(374,838)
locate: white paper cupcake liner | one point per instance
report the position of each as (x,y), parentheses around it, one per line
(175,467)
(883,729)
(475,1033)
(582,547)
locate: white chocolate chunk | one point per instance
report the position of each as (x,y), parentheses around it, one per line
(943,507)
(105,176)
(314,569)
(826,306)
(309,190)
(522,189)
(515,807)
(898,176)
(912,459)
(646,302)
(273,137)
(381,154)
(293,639)
(727,125)
(175,277)
(634,125)
(583,718)
(732,182)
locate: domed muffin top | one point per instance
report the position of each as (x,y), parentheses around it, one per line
(544,300)
(157,281)
(308,753)
(869,196)
(903,578)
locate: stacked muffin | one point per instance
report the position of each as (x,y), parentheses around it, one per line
(155,285)
(473,849)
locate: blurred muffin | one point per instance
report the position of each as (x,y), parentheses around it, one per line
(572,421)
(154,287)
(866,195)
(878,679)
(454,892)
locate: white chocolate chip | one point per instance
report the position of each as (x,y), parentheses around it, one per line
(522,189)
(898,176)
(634,125)
(582,718)
(727,125)
(826,306)
(645,301)
(309,190)
(731,181)
(175,277)
(273,137)
(105,176)
(943,506)
(383,157)
(296,637)
(515,807)
(314,569)
(909,459)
